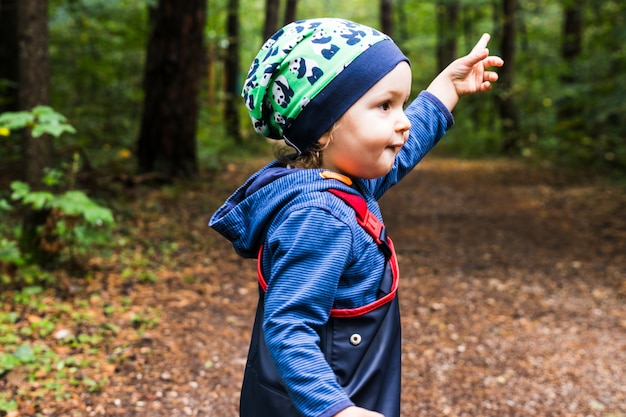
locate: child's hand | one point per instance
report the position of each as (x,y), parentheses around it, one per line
(466,75)
(357,412)
(469,73)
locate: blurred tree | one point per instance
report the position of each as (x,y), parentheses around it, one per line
(34,86)
(290,11)
(447,31)
(270,26)
(174,66)
(8,56)
(96,47)
(509,113)
(272,12)
(602,92)
(386,17)
(570,121)
(34,90)
(232,72)
(572,35)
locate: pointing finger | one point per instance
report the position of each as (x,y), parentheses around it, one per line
(482,43)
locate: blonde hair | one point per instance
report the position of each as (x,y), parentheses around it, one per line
(313,158)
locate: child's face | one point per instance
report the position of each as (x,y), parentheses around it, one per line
(367,138)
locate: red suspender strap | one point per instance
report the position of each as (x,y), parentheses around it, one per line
(259,272)
(375,228)
(364,217)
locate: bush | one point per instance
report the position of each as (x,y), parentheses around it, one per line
(73,223)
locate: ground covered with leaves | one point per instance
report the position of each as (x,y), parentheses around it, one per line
(513,296)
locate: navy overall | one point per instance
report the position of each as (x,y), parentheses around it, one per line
(361,345)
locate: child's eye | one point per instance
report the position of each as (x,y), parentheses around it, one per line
(385,106)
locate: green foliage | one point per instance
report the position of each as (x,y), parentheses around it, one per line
(77,221)
(41,119)
(97,52)
(50,348)
(71,203)
(575,123)
(70,234)
(6,403)
(10,253)
(74,222)
(603,85)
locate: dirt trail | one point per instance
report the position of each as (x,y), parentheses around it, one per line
(513,299)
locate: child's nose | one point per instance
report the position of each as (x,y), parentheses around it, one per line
(404,124)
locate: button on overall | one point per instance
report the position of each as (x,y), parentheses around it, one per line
(355,339)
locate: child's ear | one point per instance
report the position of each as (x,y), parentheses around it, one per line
(324,139)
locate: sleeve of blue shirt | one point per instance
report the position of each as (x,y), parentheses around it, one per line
(310,250)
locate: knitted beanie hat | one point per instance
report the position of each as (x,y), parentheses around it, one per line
(310,72)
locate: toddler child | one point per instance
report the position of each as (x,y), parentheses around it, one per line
(326,338)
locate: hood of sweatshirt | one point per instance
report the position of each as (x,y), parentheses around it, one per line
(246,215)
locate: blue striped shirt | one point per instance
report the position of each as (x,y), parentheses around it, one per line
(316,256)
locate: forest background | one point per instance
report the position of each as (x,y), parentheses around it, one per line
(100,96)
(560,99)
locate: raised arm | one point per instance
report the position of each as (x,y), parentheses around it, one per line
(466,75)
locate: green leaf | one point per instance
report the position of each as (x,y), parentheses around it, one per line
(7,362)
(72,203)
(20,189)
(38,199)
(43,119)
(16,120)
(76,203)
(10,252)
(52,176)
(46,114)
(52,118)
(98,215)
(7,405)
(25,354)
(4,205)
(41,109)
(32,290)
(54,129)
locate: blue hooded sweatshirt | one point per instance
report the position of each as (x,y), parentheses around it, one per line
(315,255)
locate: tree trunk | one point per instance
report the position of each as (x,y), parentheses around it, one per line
(572,42)
(569,113)
(232,73)
(386,17)
(173,70)
(290,11)
(271,17)
(34,84)
(34,90)
(9,55)
(509,113)
(447,32)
